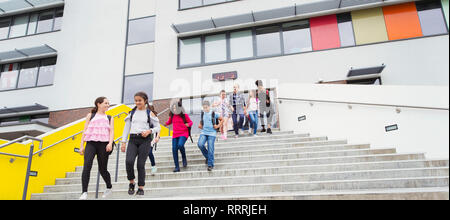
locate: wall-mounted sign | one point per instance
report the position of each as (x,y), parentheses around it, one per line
(225,76)
(33,173)
(302,118)
(391,128)
(76,150)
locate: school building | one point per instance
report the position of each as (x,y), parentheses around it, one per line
(368,70)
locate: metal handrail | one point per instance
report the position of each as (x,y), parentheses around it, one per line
(360,103)
(18,140)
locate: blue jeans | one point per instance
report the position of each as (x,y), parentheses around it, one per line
(152,157)
(254,120)
(238,121)
(178,145)
(207,153)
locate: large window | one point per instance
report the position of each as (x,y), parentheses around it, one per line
(241,44)
(190,51)
(346,33)
(215,48)
(431,18)
(27,74)
(141,30)
(31,23)
(186,4)
(268,41)
(135,84)
(297,37)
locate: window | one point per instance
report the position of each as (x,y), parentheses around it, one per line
(28,74)
(46,72)
(190,51)
(241,44)
(8,77)
(297,37)
(137,83)
(268,41)
(58,19)
(141,30)
(4,27)
(45,23)
(431,18)
(19,26)
(32,26)
(215,48)
(346,30)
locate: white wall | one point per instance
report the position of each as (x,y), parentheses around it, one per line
(421,61)
(420,130)
(90,57)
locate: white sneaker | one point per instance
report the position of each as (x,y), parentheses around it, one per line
(84,196)
(107,193)
(154,170)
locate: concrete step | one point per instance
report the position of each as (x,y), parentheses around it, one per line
(390,183)
(286,178)
(408,164)
(282,156)
(286,162)
(233,145)
(429,193)
(275,131)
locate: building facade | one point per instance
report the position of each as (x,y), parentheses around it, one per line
(57,56)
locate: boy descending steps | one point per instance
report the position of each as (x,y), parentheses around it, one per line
(209,123)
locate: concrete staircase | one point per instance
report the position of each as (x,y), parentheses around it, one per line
(279,166)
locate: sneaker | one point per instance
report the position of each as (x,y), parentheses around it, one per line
(131,189)
(140,192)
(223,137)
(176,170)
(236,136)
(263,130)
(210,169)
(107,193)
(269,131)
(154,170)
(84,196)
(185,164)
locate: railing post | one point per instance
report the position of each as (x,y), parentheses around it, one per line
(117,161)
(27,176)
(98,185)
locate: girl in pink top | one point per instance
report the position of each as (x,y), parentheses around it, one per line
(99,134)
(181,125)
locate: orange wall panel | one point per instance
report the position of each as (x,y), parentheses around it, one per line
(402,21)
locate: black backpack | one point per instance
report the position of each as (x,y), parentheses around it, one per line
(213,119)
(109,119)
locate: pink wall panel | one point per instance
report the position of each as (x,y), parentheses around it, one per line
(325,32)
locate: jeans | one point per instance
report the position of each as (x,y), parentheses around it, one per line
(207,153)
(152,157)
(140,148)
(178,145)
(254,120)
(237,124)
(92,149)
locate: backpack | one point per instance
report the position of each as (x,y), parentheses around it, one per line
(213,118)
(109,119)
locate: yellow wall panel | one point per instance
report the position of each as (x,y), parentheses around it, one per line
(369,26)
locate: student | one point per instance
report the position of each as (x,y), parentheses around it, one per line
(239,108)
(224,107)
(140,124)
(209,126)
(98,134)
(265,107)
(253,111)
(181,124)
(152,157)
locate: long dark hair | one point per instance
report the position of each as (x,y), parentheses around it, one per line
(144,96)
(98,101)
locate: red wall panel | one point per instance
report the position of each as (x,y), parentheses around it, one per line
(325,32)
